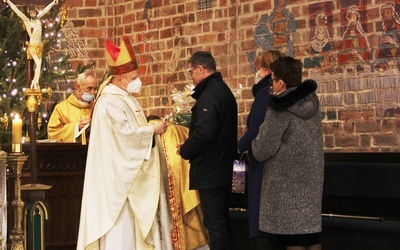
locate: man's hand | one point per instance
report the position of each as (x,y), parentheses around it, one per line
(83,122)
(160,128)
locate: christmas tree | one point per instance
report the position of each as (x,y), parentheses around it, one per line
(13,68)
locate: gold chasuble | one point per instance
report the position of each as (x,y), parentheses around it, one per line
(64,118)
(187,218)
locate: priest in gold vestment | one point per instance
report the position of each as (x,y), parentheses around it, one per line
(124,202)
(72,115)
(187,231)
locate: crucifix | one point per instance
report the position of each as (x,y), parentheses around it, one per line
(36,205)
(33,27)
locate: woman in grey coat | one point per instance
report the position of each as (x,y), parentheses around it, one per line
(290,139)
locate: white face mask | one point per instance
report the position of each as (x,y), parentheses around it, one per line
(87,97)
(257,77)
(134,86)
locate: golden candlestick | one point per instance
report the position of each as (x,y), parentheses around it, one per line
(17,235)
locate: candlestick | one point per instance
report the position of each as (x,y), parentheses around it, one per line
(16,134)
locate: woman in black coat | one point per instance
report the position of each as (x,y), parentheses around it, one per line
(256,116)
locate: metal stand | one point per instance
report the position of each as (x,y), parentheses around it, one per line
(17,236)
(36,210)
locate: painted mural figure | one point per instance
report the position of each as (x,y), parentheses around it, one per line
(273,31)
(180,52)
(262,38)
(320,44)
(354,46)
(146,38)
(147,11)
(390,40)
(262,35)
(33,26)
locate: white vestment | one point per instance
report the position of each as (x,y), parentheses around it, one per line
(123,168)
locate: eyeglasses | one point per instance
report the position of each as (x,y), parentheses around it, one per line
(190,70)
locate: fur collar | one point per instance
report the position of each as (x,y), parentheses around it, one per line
(291,96)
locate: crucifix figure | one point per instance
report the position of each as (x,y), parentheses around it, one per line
(33,27)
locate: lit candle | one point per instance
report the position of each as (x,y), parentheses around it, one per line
(16,134)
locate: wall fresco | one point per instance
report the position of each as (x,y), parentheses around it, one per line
(356,69)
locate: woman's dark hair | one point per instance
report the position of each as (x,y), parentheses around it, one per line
(288,70)
(204,59)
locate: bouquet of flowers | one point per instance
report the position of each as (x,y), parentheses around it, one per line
(183,102)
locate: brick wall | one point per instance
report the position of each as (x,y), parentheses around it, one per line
(359,102)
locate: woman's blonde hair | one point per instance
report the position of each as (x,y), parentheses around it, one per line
(265,58)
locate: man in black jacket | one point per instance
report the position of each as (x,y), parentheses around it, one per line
(211,146)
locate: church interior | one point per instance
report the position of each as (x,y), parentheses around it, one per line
(349,47)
